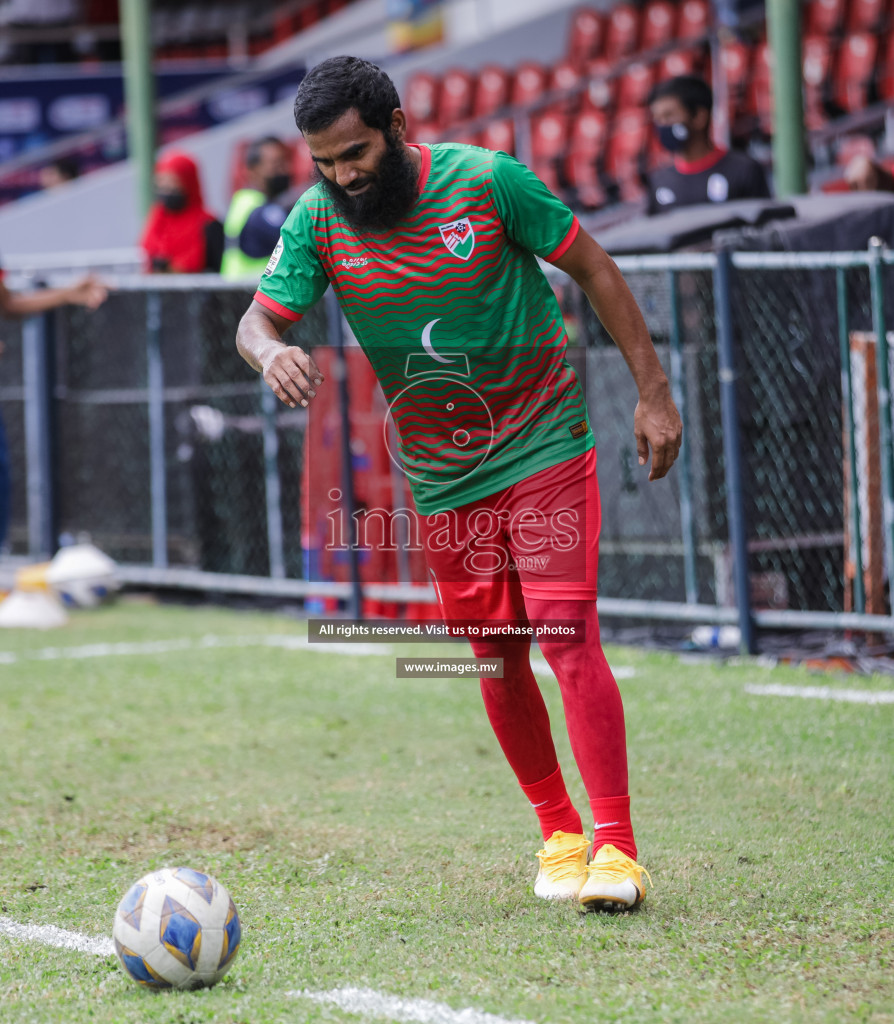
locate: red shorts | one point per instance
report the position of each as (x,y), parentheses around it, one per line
(538,538)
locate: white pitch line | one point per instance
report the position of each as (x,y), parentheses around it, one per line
(210,641)
(821,693)
(366,1002)
(540,667)
(362,1001)
(124,649)
(50,935)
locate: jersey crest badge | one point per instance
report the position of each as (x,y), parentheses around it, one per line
(459,238)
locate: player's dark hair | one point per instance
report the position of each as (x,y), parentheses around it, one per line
(339,84)
(693,92)
(253,153)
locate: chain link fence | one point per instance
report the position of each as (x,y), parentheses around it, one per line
(167,451)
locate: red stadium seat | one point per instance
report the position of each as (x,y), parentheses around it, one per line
(635,84)
(425,131)
(735,62)
(659,22)
(589,133)
(866,15)
(549,141)
(885,79)
(823,17)
(549,136)
(625,152)
(457,91)
(600,92)
(694,19)
(499,134)
(677,62)
(817,53)
(760,88)
(421,98)
(529,85)
(586,36)
(622,31)
(102,12)
(492,92)
(302,164)
(464,136)
(564,75)
(585,153)
(855,70)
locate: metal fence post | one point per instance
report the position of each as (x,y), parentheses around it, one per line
(886,440)
(272,483)
(156,401)
(38,435)
(847,394)
(684,462)
(337,340)
(732,448)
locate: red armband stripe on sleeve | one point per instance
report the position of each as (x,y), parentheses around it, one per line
(565,244)
(273,305)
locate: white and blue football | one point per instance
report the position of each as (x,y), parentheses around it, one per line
(176,928)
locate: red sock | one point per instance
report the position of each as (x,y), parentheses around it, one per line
(516,711)
(594,716)
(554,808)
(611,824)
(520,721)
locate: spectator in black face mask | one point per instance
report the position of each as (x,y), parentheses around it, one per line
(268,163)
(700,172)
(181,236)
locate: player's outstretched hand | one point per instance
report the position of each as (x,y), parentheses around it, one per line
(292,375)
(89,292)
(657,425)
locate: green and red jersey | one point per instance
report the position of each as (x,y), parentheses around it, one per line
(460,324)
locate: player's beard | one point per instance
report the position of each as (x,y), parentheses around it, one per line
(390,196)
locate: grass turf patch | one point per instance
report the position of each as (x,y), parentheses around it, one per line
(371,834)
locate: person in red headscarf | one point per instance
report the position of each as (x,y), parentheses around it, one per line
(181,236)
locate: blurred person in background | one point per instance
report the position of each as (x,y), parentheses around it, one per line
(863,174)
(700,172)
(87,292)
(268,164)
(181,236)
(59,172)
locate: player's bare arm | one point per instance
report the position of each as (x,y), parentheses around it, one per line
(287,369)
(656,422)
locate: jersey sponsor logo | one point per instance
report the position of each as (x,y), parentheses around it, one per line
(459,238)
(274,258)
(579,429)
(354,262)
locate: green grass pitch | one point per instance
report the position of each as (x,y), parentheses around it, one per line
(371,834)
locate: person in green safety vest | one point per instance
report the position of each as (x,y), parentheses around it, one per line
(268,164)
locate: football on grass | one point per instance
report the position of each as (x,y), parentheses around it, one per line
(176,928)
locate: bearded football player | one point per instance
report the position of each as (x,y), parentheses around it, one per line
(432,251)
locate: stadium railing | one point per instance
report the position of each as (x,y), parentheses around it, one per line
(140,426)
